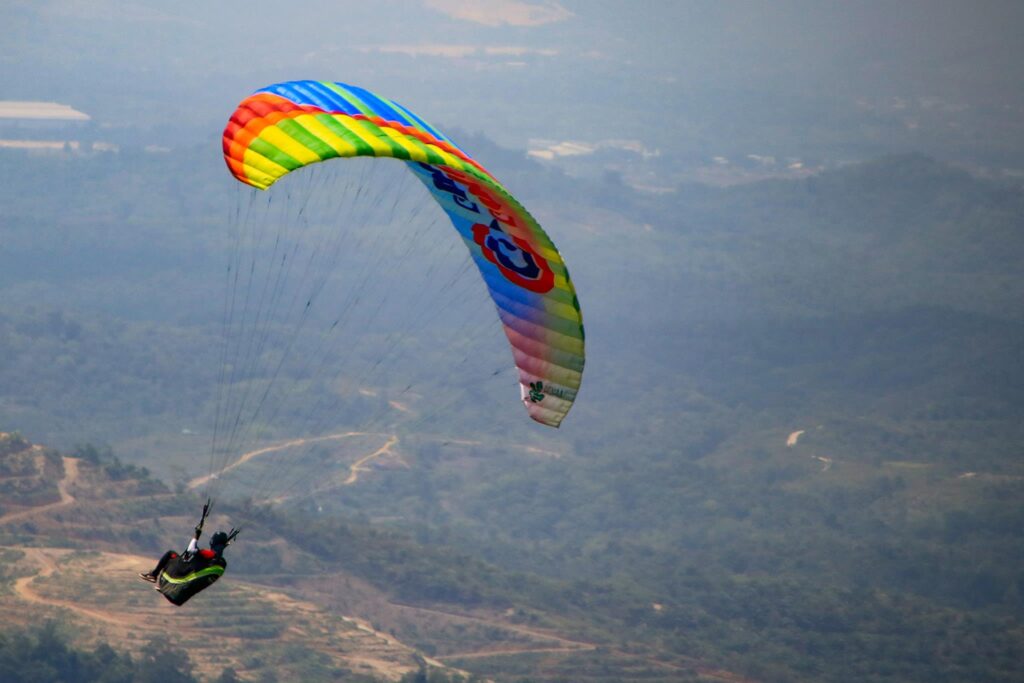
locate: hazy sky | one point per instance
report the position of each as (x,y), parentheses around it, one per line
(826,80)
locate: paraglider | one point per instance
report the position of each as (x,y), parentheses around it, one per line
(287,126)
(180,577)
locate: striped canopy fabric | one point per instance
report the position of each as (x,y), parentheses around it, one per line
(286,126)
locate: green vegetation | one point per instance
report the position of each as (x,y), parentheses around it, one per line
(876,308)
(43,655)
(115,469)
(435,676)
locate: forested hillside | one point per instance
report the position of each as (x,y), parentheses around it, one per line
(795,455)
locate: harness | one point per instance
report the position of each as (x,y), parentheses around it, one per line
(212,570)
(179,587)
(189,573)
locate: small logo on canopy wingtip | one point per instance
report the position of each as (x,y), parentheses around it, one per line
(536,392)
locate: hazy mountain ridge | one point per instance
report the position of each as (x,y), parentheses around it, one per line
(803,81)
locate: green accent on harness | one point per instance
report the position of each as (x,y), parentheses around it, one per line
(209,571)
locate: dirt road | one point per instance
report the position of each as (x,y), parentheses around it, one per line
(561,644)
(356,467)
(70,476)
(246,457)
(45,558)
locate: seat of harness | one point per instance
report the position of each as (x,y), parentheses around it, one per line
(203,563)
(212,570)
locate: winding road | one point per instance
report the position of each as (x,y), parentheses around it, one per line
(246,457)
(70,476)
(44,557)
(356,467)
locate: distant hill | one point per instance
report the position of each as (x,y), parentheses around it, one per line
(76,560)
(288,609)
(795,455)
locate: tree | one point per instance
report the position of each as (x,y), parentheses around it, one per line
(164,663)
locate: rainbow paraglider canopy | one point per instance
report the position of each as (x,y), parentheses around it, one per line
(287,126)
